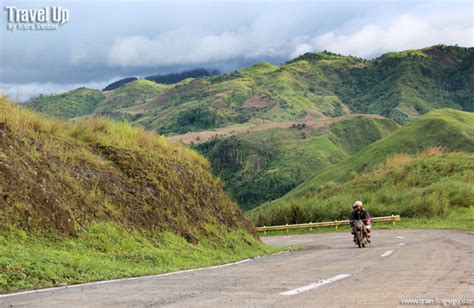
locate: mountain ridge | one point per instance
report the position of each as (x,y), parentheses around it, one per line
(398,85)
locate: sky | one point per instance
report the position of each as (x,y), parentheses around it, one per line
(103,41)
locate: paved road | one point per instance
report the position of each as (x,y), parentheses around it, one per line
(330,272)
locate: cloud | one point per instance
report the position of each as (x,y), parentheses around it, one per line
(301,49)
(23,92)
(262,39)
(275,37)
(78,55)
(136,51)
(403,32)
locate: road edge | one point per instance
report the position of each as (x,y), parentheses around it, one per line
(92,283)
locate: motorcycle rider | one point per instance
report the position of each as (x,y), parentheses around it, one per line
(358,212)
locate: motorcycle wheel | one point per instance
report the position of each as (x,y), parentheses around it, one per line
(359,238)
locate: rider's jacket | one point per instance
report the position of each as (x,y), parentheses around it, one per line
(362,214)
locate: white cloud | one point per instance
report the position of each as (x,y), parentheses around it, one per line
(404,32)
(266,37)
(274,36)
(24,92)
(301,49)
(181,48)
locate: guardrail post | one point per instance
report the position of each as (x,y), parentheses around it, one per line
(393,220)
(310,226)
(264,230)
(286,228)
(335,221)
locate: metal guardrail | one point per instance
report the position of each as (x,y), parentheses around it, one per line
(311,225)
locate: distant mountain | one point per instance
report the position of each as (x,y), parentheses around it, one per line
(164,79)
(397,85)
(75,103)
(177,77)
(83,101)
(119,83)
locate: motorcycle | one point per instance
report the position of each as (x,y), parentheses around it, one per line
(361,235)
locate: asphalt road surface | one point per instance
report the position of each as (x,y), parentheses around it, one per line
(423,266)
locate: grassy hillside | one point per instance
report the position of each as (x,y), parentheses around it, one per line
(116,84)
(85,101)
(430,184)
(264,165)
(403,85)
(131,94)
(72,104)
(94,199)
(453,130)
(398,85)
(450,129)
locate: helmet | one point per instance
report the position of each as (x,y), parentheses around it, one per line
(357,203)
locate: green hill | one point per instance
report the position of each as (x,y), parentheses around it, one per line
(94,199)
(264,165)
(85,101)
(131,94)
(72,104)
(403,85)
(449,129)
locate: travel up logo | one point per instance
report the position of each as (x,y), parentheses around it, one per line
(46,18)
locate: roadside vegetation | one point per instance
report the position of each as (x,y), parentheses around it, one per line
(106,250)
(94,199)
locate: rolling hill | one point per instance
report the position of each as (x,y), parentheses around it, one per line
(333,189)
(265,164)
(94,199)
(83,101)
(397,85)
(266,128)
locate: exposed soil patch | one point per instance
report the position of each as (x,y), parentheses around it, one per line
(257,101)
(311,123)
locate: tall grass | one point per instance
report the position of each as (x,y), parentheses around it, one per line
(91,130)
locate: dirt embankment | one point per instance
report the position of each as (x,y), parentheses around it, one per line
(60,176)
